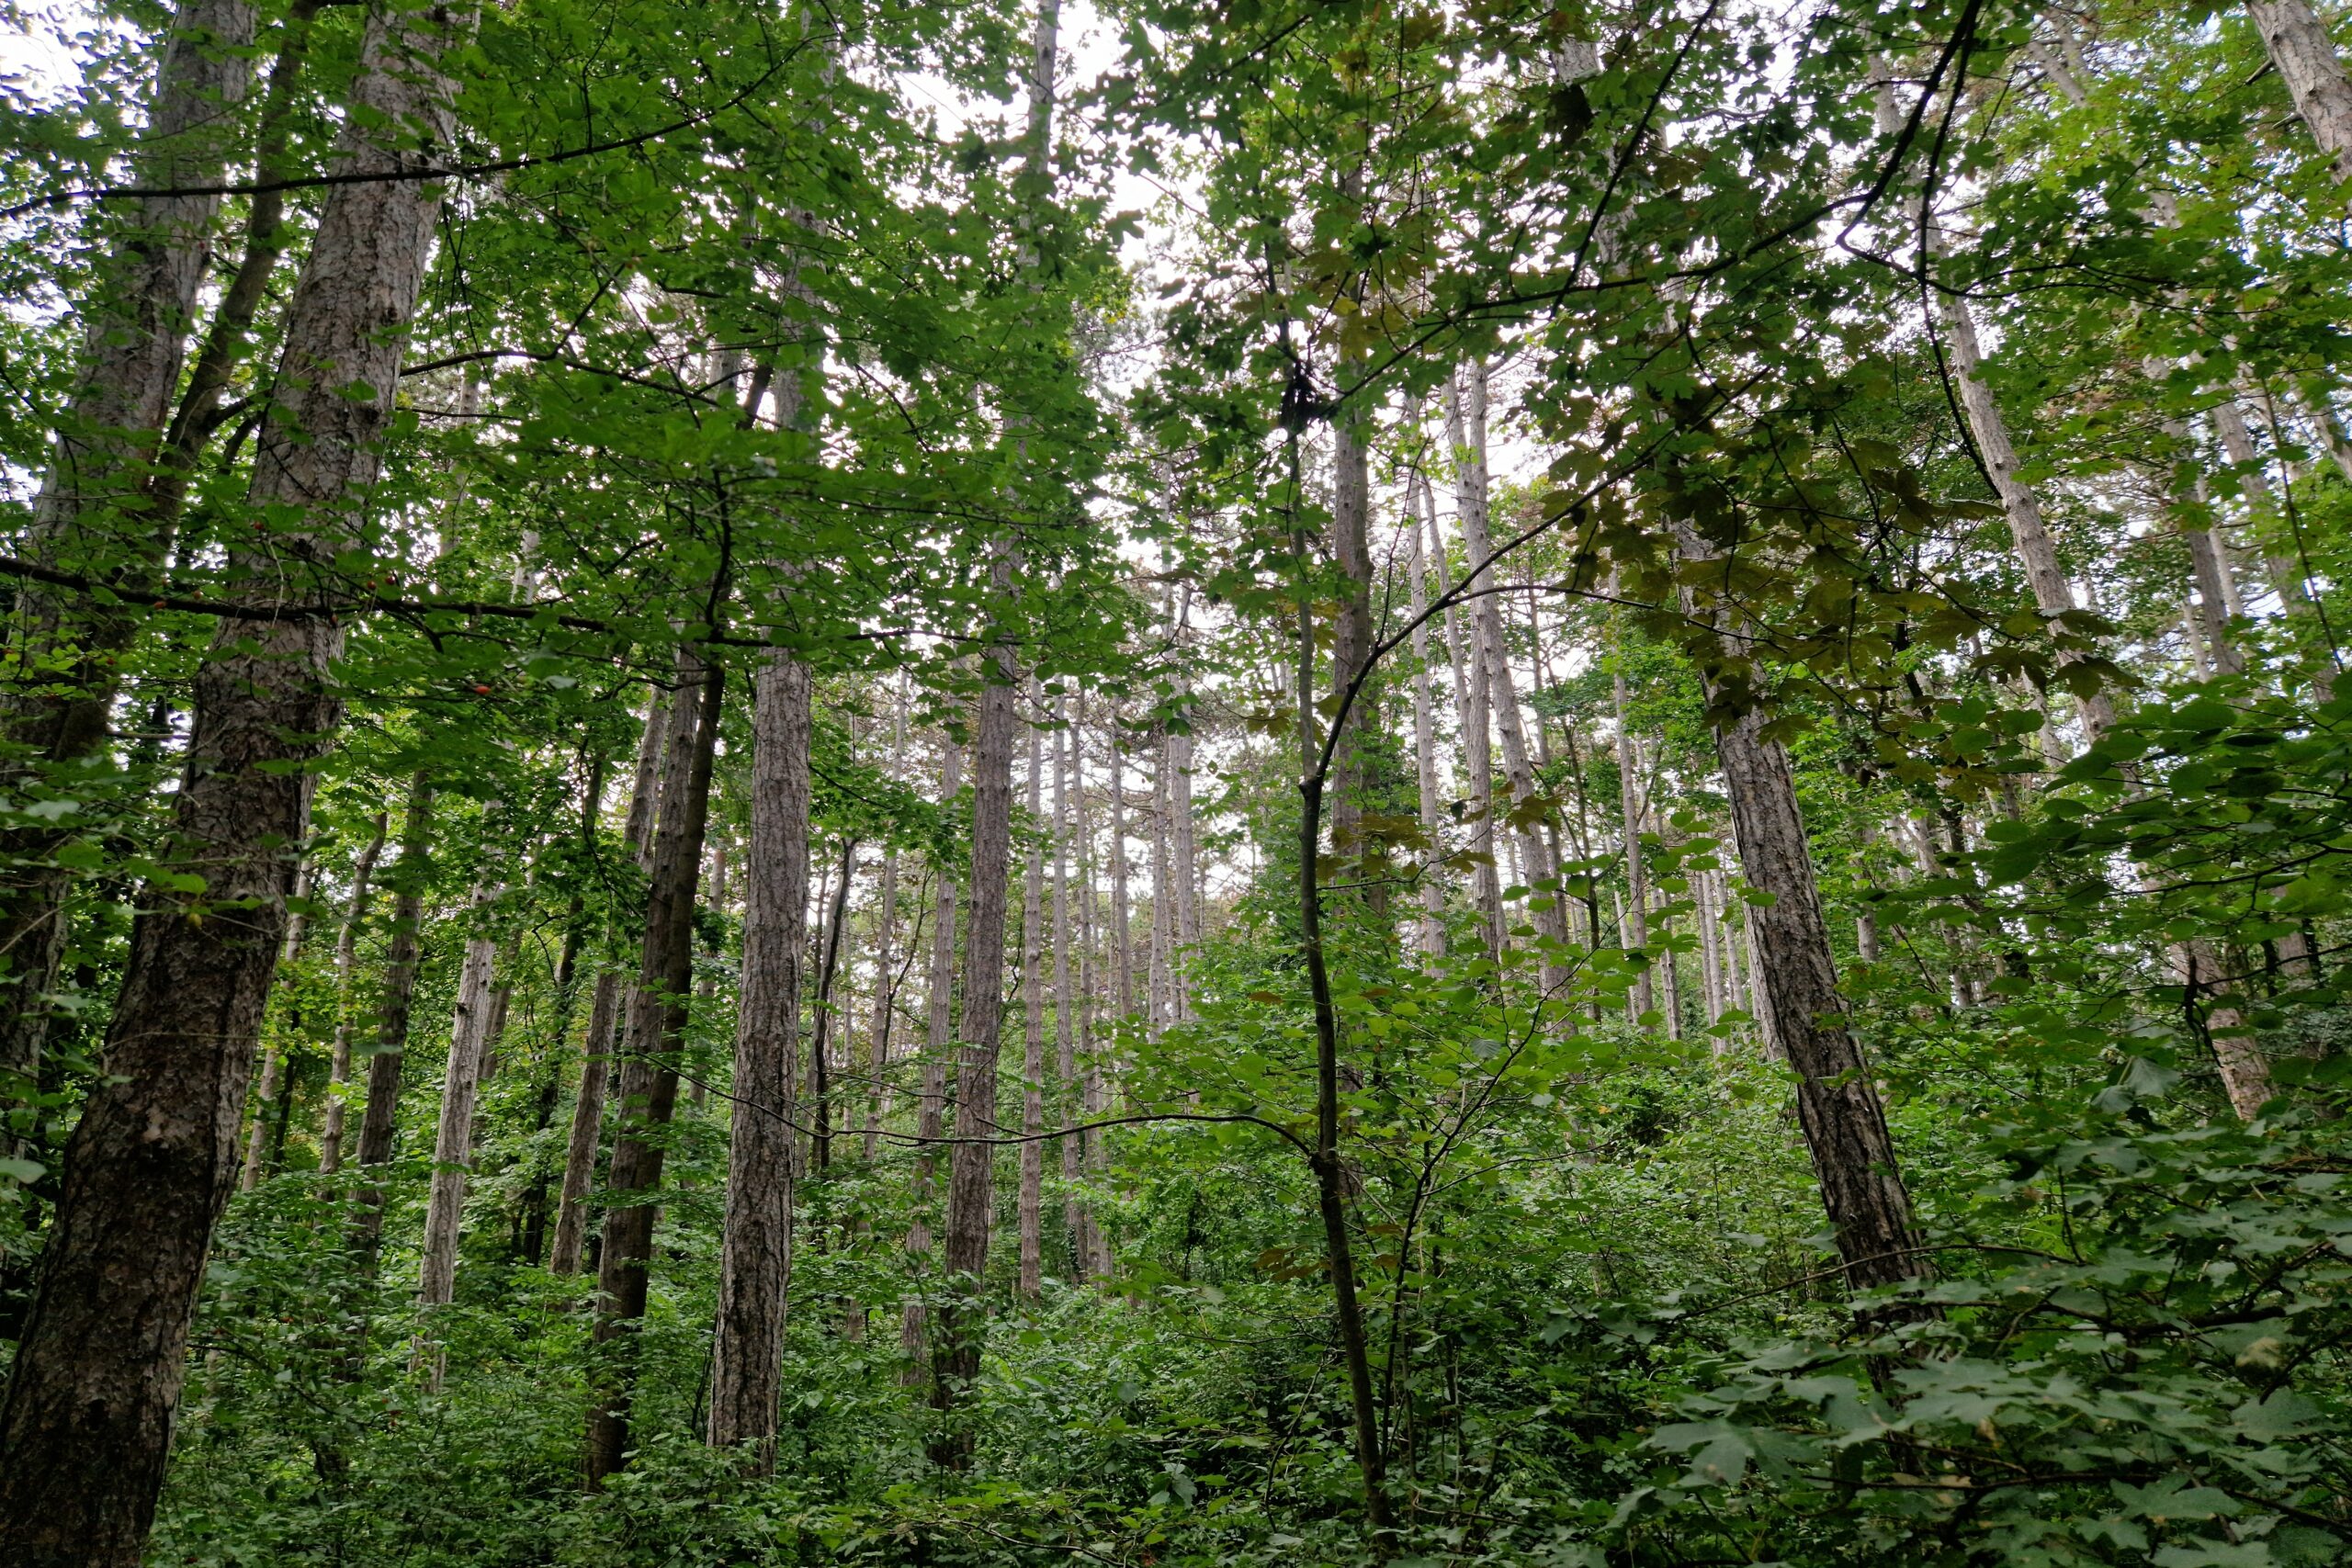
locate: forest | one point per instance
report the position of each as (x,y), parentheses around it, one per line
(1552,783)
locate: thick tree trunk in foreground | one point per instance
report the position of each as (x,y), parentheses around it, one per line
(755,1259)
(92,513)
(603,1015)
(88,1420)
(1837,1103)
(649,1086)
(2305,55)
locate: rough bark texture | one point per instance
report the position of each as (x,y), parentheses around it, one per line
(347,964)
(92,514)
(470,1024)
(1033,1054)
(1067,1111)
(932,1099)
(2299,47)
(604,1014)
(1837,1103)
(755,1259)
(649,1086)
(87,1419)
(971,1188)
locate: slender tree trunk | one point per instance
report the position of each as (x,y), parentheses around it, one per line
(1465,415)
(1430,936)
(470,1044)
(649,1087)
(347,964)
(1161,976)
(939,1003)
(1184,843)
(1636,932)
(1471,701)
(603,1012)
(266,1093)
(381,1117)
(1351,647)
(971,1187)
(886,961)
(1067,1112)
(1032,1055)
(1122,944)
(755,1257)
(86,1423)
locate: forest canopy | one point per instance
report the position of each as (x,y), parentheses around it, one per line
(1534,784)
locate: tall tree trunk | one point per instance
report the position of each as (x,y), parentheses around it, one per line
(1161,973)
(1430,936)
(1796,984)
(2305,56)
(649,1087)
(1466,418)
(820,1068)
(470,1046)
(86,1423)
(265,1092)
(930,1108)
(1636,933)
(886,974)
(381,1117)
(1067,1112)
(1033,1054)
(1474,727)
(1122,943)
(1351,639)
(347,964)
(971,1187)
(91,516)
(603,1012)
(755,1256)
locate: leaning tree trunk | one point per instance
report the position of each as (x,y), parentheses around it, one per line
(649,1086)
(596,1074)
(87,1419)
(347,964)
(755,1256)
(91,516)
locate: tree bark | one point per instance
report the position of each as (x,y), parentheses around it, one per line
(91,514)
(939,1003)
(380,1118)
(971,1188)
(347,964)
(755,1257)
(2299,47)
(265,1092)
(1032,1055)
(1067,1109)
(1636,933)
(1474,727)
(603,1010)
(649,1087)
(470,1046)
(1429,937)
(86,1423)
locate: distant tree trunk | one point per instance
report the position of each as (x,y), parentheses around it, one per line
(1032,1055)
(346,963)
(1471,714)
(820,1070)
(1068,1113)
(470,1044)
(1710,958)
(886,961)
(755,1256)
(707,983)
(649,1087)
(1352,648)
(1184,843)
(971,1187)
(381,1115)
(86,1422)
(597,1072)
(1162,987)
(1430,936)
(273,1059)
(931,1112)
(1122,944)
(92,514)
(1636,933)
(1465,416)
